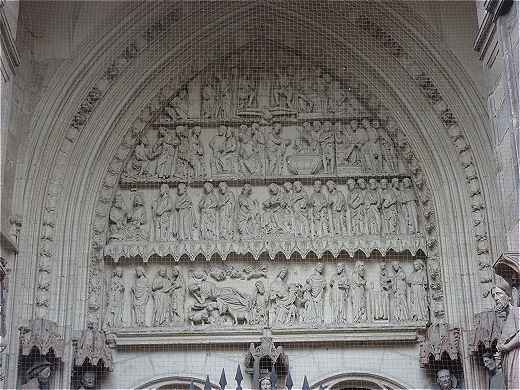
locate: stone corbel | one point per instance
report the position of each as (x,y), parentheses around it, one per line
(486,331)
(92,358)
(41,350)
(439,344)
(261,360)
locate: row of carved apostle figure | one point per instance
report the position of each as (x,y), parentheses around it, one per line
(381,207)
(259,150)
(397,298)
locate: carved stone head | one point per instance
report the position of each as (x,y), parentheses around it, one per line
(407,183)
(384,184)
(89,379)
(501,294)
(221,130)
(118,272)
(362,184)
(297,186)
(196,131)
(319,268)
(340,267)
(208,188)
(489,361)
(372,184)
(246,189)
(181,189)
(331,186)
(444,379)
(354,124)
(139,271)
(418,265)
(359,268)
(260,288)
(223,187)
(265,383)
(165,189)
(288,186)
(317,186)
(284,272)
(395,183)
(351,184)
(273,188)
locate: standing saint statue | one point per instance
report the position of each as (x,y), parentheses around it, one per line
(358,284)
(141,292)
(217,144)
(317,285)
(356,203)
(388,209)
(166,147)
(177,295)
(197,154)
(274,216)
(338,205)
(339,294)
(372,204)
(399,302)
(227,212)
(162,213)
(208,204)
(161,287)
(508,344)
(138,228)
(300,204)
(258,305)
(114,313)
(319,211)
(417,295)
(278,295)
(247,213)
(382,297)
(118,218)
(184,213)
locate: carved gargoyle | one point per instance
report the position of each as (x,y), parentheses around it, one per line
(439,343)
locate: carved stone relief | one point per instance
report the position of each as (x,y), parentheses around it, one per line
(347,293)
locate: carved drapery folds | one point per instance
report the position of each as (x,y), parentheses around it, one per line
(440,343)
(41,349)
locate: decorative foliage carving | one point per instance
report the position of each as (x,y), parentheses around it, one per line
(42,336)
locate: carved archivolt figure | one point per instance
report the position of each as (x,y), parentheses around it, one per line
(247,214)
(319,211)
(408,207)
(162,213)
(389,209)
(167,144)
(138,228)
(227,209)
(274,217)
(141,292)
(114,313)
(358,293)
(300,202)
(399,302)
(317,285)
(417,295)
(338,205)
(382,297)
(372,204)
(118,217)
(339,294)
(208,205)
(356,204)
(161,288)
(185,215)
